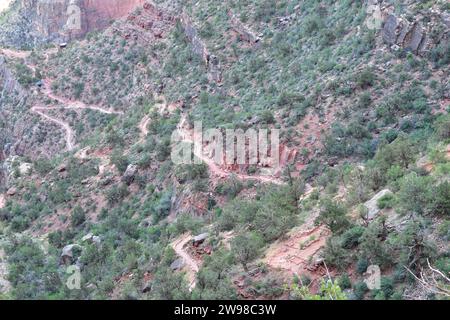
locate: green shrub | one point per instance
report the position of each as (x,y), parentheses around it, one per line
(444,230)
(361,265)
(78,216)
(350,238)
(441,201)
(116,194)
(386,201)
(333,215)
(344,282)
(335,255)
(120,161)
(442,127)
(415,195)
(387,286)
(359,290)
(366,79)
(231,188)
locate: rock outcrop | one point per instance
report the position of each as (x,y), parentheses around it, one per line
(199,48)
(417,32)
(372,204)
(12,95)
(146,25)
(244,32)
(8,83)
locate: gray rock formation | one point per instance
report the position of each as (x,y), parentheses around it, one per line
(372,204)
(67,255)
(418,34)
(130,174)
(177,264)
(199,48)
(8,84)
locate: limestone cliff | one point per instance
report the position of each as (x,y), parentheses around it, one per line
(34,22)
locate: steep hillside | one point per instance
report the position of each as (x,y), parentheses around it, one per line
(364,177)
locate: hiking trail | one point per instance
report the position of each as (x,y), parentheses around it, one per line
(69,104)
(192,265)
(215,168)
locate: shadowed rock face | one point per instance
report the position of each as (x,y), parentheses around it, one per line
(411,36)
(199,48)
(419,34)
(41,21)
(97,14)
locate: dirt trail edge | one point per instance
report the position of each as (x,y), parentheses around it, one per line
(192,265)
(46,90)
(70,137)
(216,169)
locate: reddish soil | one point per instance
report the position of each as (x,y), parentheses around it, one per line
(216,169)
(296,254)
(312,127)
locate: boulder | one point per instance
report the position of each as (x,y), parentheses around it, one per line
(25,168)
(130,174)
(390,29)
(177,264)
(11,192)
(68,252)
(373,277)
(198,240)
(90,238)
(87,237)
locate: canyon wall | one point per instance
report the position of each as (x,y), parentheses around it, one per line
(34,22)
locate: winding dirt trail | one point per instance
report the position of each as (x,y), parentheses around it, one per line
(143,128)
(192,265)
(70,135)
(46,90)
(162,106)
(73,105)
(70,104)
(215,168)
